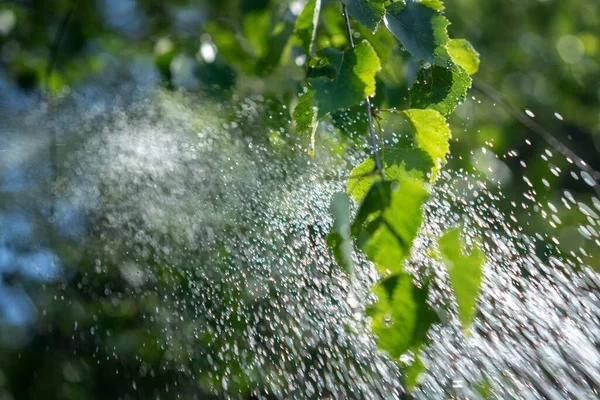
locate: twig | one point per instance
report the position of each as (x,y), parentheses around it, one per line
(367,101)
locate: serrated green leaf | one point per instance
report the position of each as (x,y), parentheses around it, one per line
(401,316)
(465,272)
(435,4)
(421,29)
(431,132)
(440,88)
(343,79)
(305,117)
(339,237)
(306,26)
(398,164)
(367,12)
(464,54)
(392,213)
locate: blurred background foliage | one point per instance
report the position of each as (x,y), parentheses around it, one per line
(537,55)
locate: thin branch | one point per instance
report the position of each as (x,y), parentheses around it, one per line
(374,146)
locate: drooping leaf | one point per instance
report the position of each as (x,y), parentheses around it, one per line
(465,272)
(431,133)
(440,88)
(398,164)
(305,117)
(339,237)
(343,79)
(306,26)
(401,316)
(421,29)
(411,373)
(392,214)
(464,54)
(367,12)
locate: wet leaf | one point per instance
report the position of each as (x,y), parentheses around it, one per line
(431,133)
(440,88)
(465,272)
(392,214)
(398,164)
(306,26)
(421,29)
(401,316)
(305,117)
(343,79)
(464,54)
(367,12)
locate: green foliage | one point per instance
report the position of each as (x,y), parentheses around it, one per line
(306,26)
(339,237)
(401,317)
(431,133)
(343,79)
(465,272)
(440,88)
(398,164)
(305,116)
(464,54)
(421,29)
(388,220)
(367,12)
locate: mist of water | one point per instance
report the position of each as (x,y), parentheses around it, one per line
(211,226)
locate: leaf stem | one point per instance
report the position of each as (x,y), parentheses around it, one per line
(374,146)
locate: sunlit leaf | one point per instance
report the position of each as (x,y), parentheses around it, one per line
(465,272)
(398,164)
(421,29)
(306,26)
(392,214)
(339,237)
(464,54)
(440,88)
(431,133)
(305,116)
(343,79)
(401,316)
(367,12)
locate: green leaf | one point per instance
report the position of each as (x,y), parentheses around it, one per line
(431,133)
(401,317)
(398,164)
(465,272)
(343,79)
(421,29)
(305,117)
(229,46)
(382,41)
(464,54)
(435,4)
(411,373)
(339,237)
(306,26)
(440,88)
(367,12)
(392,213)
